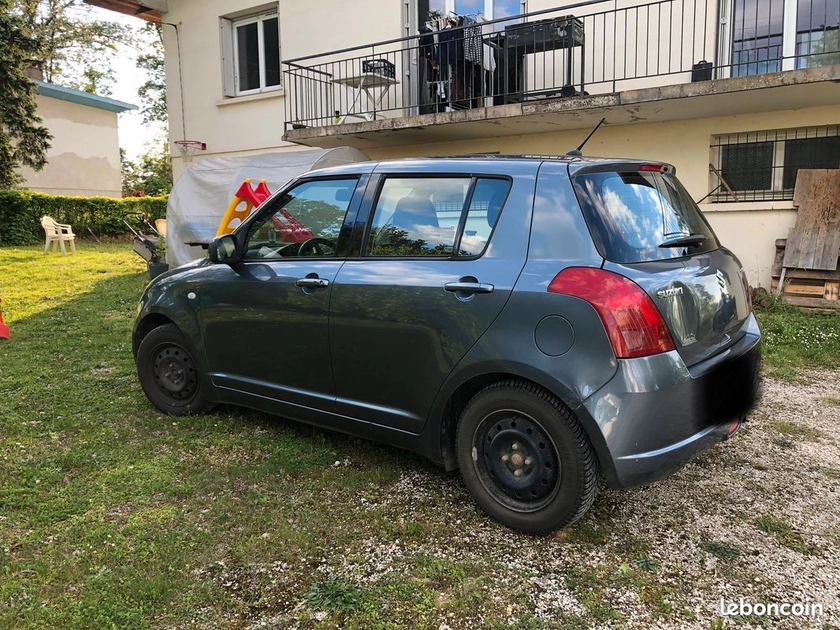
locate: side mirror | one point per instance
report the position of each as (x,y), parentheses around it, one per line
(222,249)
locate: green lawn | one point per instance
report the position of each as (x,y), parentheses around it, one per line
(795,339)
(112,515)
(115,516)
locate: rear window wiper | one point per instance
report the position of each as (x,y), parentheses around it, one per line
(684,240)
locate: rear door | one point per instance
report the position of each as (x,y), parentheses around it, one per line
(265,318)
(648,228)
(439,258)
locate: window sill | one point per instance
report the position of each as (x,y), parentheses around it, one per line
(235,100)
(747,206)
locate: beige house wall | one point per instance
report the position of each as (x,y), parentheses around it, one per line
(85,155)
(748,228)
(254,124)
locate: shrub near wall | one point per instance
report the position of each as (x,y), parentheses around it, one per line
(21,212)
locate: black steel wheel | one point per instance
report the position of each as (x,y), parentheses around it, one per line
(525,458)
(517,461)
(168,373)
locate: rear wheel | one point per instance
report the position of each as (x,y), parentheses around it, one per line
(168,372)
(525,458)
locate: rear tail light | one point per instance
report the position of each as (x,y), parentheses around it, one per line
(633,323)
(653,168)
(733,427)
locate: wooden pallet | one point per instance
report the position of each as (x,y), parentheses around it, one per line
(806,287)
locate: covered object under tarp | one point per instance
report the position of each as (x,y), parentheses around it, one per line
(201,195)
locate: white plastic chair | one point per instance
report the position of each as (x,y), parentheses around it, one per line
(58,233)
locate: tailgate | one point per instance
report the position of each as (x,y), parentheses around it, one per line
(703,299)
(648,229)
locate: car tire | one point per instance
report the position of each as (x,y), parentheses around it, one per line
(525,458)
(168,373)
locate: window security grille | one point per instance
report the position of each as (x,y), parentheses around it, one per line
(762,166)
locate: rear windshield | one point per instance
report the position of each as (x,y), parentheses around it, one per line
(632,213)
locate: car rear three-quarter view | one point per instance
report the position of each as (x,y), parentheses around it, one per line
(641,349)
(535,322)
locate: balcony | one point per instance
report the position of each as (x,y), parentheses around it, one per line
(562,68)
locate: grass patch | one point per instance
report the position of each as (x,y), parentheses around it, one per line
(721,550)
(334,595)
(584,532)
(794,338)
(785,534)
(794,430)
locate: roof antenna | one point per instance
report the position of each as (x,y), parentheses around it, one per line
(577,152)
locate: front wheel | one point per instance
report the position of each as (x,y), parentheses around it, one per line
(525,458)
(168,373)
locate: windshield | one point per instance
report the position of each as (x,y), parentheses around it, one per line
(639,216)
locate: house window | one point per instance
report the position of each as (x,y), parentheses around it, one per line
(762,166)
(775,35)
(252,54)
(490,9)
(817,33)
(757,37)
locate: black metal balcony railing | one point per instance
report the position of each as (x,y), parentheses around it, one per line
(578,49)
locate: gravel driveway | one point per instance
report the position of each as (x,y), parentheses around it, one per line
(754,520)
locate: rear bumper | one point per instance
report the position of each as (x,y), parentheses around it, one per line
(656,414)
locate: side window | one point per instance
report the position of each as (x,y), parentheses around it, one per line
(305,221)
(486,204)
(417,216)
(421,216)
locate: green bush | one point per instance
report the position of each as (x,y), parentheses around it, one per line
(21,212)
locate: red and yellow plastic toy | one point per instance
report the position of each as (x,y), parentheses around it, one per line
(4,330)
(243,203)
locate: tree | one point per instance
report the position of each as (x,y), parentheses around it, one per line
(23,140)
(76,50)
(152,92)
(151,173)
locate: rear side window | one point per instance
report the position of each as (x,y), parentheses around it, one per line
(631,214)
(435,216)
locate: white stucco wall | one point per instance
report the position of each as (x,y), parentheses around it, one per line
(85,155)
(255,123)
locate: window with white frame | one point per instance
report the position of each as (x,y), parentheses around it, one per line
(490,9)
(252,53)
(762,166)
(775,35)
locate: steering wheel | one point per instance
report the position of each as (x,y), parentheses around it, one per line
(319,246)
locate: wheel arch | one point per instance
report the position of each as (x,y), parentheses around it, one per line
(457,400)
(147,325)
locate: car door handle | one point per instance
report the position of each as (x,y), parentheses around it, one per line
(312,282)
(469,287)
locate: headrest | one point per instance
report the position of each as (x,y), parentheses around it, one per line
(414,211)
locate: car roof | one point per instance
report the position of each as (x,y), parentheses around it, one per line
(458,162)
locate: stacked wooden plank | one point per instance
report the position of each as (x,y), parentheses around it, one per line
(806,287)
(807,263)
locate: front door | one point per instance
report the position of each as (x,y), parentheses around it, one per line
(265,318)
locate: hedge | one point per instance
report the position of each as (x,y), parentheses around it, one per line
(21,212)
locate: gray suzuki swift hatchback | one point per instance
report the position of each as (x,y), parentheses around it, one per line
(534,322)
